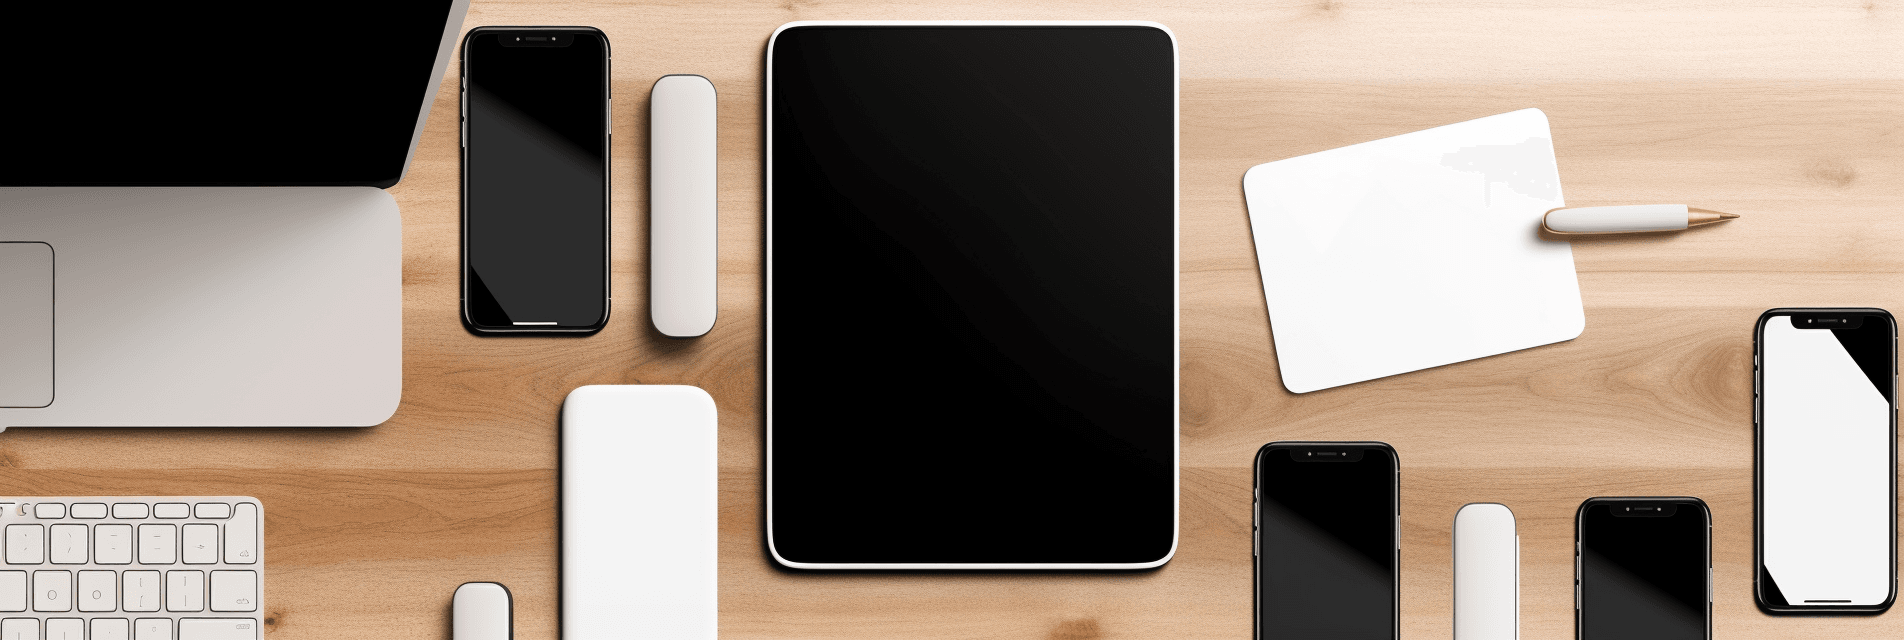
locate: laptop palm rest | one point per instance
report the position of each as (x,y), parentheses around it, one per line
(229,306)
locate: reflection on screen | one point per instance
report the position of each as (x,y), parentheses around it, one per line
(536,175)
(1327,562)
(1643,578)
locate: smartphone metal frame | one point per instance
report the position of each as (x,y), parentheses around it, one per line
(1176,305)
(1758,467)
(1580,535)
(1256,519)
(608,203)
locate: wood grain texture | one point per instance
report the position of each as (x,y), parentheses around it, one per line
(1790,112)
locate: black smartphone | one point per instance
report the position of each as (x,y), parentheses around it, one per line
(1643,569)
(535,180)
(1825,414)
(1327,543)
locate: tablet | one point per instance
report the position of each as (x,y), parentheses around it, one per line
(971,305)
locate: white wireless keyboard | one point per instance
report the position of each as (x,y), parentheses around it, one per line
(132,568)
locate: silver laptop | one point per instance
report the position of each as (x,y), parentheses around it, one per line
(193,227)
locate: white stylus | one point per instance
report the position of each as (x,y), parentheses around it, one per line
(1633,218)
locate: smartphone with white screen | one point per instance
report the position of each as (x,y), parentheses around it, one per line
(1825,413)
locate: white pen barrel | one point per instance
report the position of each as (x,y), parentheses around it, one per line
(1625,218)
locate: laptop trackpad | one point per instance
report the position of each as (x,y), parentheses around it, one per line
(26,324)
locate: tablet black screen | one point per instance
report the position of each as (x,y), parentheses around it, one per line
(972,295)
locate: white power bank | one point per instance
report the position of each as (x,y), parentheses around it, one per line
(681,205)
(1487,573)
(639,518)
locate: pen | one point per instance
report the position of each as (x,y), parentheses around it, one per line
(1633,218)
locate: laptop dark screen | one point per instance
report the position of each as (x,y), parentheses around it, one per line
(174,94)
(972,271)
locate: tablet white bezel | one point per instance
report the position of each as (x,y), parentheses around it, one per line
(1176,296)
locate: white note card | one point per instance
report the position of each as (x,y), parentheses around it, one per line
(1413,252)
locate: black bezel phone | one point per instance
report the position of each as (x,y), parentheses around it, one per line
(556,34)
(1326,453)
(1633,503)
(1759,596)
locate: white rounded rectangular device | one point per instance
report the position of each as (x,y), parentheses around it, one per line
(1487,584)
(682,232)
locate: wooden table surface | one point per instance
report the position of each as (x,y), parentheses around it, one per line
(1789,112)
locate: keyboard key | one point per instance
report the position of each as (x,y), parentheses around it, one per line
(68,543)
(20,629)
(26,544)
(218,628)
(158,543)
(211,510)
(52,591)
(234,591)
(89,510)
(201,544)
(112,543)
(172,510)
(184,591)
(110,628)
(65,629)
(131,510)
(12,590)
(152,629)
(241,536)
(98,591)
(142,592)
(53,510)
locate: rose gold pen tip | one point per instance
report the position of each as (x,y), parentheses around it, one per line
(1728,216)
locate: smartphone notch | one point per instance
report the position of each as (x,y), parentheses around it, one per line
(1327,454)
(1646,510)
(536,39)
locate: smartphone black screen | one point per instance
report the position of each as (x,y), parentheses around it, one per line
(535,180)
(1327,563)
(1645,565)
(1827,460)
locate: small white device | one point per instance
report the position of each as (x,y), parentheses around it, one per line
(640,523)
(482,611)
(1487,573)
(682,231)
(130,568)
